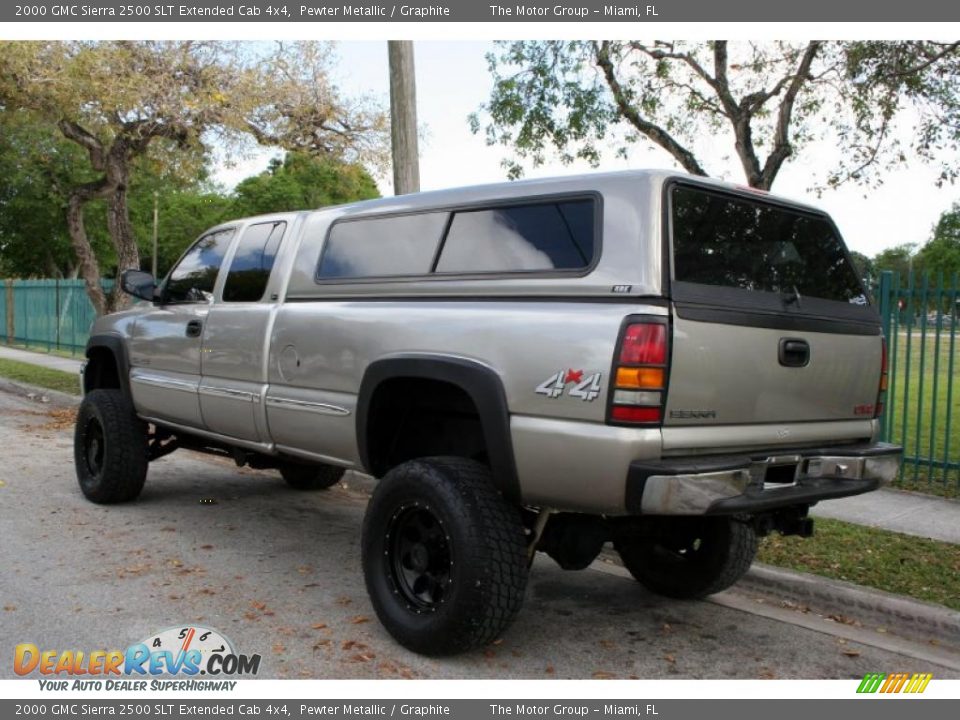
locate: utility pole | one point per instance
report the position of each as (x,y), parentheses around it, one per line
(403,117)
(156,205)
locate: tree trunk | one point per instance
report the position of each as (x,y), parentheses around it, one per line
(86,259)
(121,232)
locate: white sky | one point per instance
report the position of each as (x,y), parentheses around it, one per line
(452,82)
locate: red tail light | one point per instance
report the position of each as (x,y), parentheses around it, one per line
(882,388)
(639,375)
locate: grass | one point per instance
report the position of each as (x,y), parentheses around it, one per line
(39,376)
(924,569)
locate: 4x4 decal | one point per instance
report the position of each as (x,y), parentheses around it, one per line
(584,388)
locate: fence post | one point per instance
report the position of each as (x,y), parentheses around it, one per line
(886,306)
(11,327)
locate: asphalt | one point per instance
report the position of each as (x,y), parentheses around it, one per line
(278,573)
(895,510)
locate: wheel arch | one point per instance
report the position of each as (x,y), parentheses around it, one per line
(107,364)
(480,383)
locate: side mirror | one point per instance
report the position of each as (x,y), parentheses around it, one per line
(138,283)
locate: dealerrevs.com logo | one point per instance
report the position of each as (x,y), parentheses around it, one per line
(154,663)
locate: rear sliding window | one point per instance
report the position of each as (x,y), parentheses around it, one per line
(735,242)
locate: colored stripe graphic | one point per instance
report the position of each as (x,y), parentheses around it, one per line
(894,683)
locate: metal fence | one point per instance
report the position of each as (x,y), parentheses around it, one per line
(920,316)
(47,314)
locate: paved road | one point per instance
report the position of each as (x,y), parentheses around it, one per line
(278,572)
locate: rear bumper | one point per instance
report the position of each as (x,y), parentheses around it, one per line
(735,484)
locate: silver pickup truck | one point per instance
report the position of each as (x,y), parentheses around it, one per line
(670,364)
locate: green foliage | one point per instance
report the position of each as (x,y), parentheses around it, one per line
(898,259)
(301,182)
(942,253)
(766,102)
(37,168)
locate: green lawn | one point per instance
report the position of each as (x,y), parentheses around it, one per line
(923,382)
(39,376)
(924,569)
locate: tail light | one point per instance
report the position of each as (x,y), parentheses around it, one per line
(882,389)
(640,375)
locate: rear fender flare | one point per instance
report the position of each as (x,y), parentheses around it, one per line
(480,382)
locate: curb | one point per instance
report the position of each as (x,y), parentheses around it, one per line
(906,616)
(22,389)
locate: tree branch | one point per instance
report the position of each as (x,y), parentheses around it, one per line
(657,134)
(781,143)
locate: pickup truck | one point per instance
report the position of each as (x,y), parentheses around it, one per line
(673,365)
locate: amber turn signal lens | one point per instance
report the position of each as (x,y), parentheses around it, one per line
(640,377)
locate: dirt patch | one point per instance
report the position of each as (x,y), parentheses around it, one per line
(59,419)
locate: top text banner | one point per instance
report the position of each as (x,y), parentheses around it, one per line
(576,11)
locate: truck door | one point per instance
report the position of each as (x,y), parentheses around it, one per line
(165,347)
(235,341)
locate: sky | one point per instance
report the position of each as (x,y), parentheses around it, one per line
(453,81)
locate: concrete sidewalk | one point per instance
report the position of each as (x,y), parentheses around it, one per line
(54,362)
(903,512)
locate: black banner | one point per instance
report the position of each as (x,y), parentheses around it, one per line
(571,11)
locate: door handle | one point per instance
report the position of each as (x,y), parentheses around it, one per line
(194,328)
(794,352)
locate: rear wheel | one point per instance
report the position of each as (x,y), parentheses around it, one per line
(310,476)
(444,556)
(109,448)
(688,557)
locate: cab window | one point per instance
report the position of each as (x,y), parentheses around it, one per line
(193,278)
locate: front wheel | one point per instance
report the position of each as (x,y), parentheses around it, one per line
(444,556)
(688,557)
(109,448)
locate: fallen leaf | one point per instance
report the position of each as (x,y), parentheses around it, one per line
(206,547)
(9,608)
(2,483)
(344,600)
(278,649)
(549,670)
(359,619)
(669,658)
(851,653)
(603,675)
(498,641)
(319,626)
(257,605)
(320,643)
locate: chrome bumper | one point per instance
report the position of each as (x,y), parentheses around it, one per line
(726,485)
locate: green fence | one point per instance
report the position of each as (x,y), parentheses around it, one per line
(920,316)
(47,314)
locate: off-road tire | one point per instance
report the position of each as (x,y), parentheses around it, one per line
(310,476)
(478,532)
(109,448)
(689,557)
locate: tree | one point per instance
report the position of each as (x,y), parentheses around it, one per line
(899,259)
(941,254)
(766,101)
(122,101)
(300,182)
